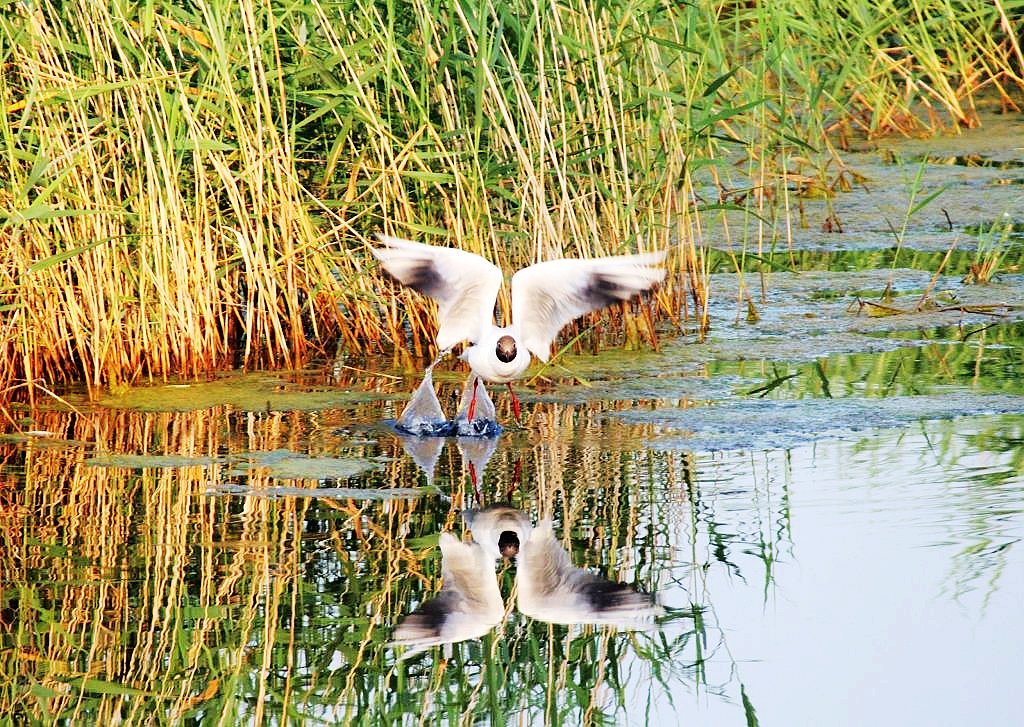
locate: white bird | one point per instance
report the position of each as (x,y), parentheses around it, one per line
(468,606)
(550,588)
(545,298)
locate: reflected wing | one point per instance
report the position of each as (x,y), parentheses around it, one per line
(464,285)
(468,606)
(424,451)
(548,296)
(550,588)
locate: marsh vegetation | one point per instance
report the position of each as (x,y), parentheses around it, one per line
(807,442)
(172,566)
(189,188)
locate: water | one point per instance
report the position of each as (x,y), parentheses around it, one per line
(805,571)
(827,501)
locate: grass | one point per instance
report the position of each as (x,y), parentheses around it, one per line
(190,188)
(995,251)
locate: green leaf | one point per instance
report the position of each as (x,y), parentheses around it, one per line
(672,45)
(426,176)
(718,82)
(98,686)
(60,257)
(43,212)
(927,200)
(748,708)
(40,690)
(798,142)
(728,113)
(204,145)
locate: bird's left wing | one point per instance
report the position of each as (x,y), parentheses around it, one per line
(468,606)
(548,296)
(464,285)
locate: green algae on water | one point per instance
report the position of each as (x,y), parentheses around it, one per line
(287,465)
(148,461)
(764,424)
(245,392)
(375,494)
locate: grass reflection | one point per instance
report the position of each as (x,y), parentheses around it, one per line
(990,361)
(958,261)
(133,594)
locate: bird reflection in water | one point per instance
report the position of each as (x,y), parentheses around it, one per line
(548,586)
(468,606)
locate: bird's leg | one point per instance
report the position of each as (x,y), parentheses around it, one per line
(516,474)
(472,401)
(472,479)
(515,404)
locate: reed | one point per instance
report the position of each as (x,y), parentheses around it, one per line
(192,188)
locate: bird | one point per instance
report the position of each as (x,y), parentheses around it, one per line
(468,606)
(550,588)
(546,297)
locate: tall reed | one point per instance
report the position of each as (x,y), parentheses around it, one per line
(186,188)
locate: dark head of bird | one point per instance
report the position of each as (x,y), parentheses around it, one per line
(508,544)
(506,349)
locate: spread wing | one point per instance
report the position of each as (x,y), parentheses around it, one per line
(548,296)
(464,285)
(468,606)
(550,588)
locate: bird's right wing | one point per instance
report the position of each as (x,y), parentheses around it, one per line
(550,295)
(550,588)
(464,285)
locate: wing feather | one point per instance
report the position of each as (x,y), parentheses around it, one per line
(464,285)
(550,588)
(468,606)
(548,296)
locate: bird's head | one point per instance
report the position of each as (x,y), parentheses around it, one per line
(505,349)
(508,544)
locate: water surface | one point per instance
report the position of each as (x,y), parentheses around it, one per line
(826,497)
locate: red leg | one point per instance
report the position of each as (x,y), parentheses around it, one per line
(515,403)
(516,474)
(472,401)
(476,488)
